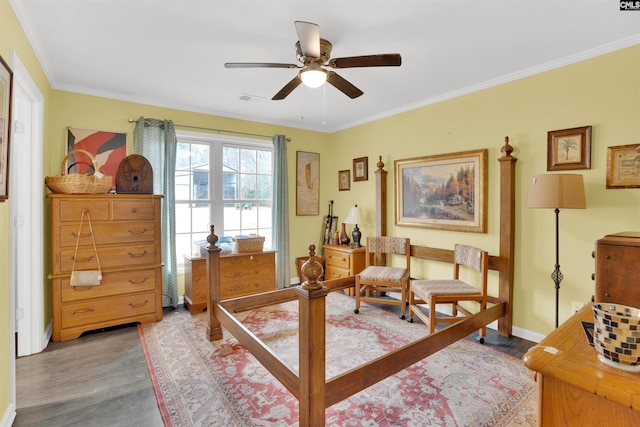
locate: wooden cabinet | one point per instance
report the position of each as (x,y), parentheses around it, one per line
(574,387)
(616,273)
(126,229)
(343,261)
(241,274)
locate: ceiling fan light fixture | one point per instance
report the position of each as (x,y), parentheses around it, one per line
(313,77)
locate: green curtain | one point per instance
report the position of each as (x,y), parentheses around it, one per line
(280,217)
(156,141)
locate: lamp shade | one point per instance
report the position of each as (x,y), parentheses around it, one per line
(353,217)
(562,191)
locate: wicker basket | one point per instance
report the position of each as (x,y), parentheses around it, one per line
(76,183)
(249,244)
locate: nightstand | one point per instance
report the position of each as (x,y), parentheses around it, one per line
(343,261)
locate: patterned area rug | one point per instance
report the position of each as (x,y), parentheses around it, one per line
(199,383)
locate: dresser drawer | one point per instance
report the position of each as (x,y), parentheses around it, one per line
(336,273)
(110,256)
(132,209)
(253,262)
(240,288)
(71,209)
(107,233)
(112,284)
(107,309)
(337,259)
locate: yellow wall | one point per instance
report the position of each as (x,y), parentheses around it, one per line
(603,92)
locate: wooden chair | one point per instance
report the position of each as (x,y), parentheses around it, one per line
(451,291)
(374,280)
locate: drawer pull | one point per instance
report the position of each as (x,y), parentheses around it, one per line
(86,310)
(138,282)
(130,231)
(134,210)
(81,235)
(607,257)
(132,255)
(132,305)
(89,258)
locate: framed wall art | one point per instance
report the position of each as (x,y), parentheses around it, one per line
(569,149)
(109,149)
(344,180)
(307,183)
(446,191)
(6,89)
(623,166)
(361,169)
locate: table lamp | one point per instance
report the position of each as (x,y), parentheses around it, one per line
(354,218)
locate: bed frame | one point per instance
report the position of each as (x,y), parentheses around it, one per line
(310,386)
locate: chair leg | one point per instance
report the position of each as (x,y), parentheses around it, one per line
(432,315)
(357,292)
(403,303)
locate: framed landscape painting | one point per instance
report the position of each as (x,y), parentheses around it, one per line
(446,191)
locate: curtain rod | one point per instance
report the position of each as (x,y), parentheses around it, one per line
(219,130)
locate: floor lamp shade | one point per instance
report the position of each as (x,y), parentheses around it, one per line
(563,191)
(556,191)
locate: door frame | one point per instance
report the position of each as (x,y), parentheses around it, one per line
(26,212)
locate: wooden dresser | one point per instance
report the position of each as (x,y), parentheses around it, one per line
(241,274)
(574,387)
(343,261)
(126,228)
(616,269)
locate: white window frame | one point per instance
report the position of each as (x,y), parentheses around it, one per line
(216,143)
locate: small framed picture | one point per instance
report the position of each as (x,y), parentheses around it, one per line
(360,169)
(344,180)
(569,149)
(623,166)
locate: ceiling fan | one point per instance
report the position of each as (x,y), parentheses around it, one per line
(314,53)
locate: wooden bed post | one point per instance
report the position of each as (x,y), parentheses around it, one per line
(312,301)
(381,207)
(214,329)
(507,235)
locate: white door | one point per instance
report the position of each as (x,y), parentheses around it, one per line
(26,208)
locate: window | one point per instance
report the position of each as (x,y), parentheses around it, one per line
(223,181)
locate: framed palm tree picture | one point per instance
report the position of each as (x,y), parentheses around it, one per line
(569,149)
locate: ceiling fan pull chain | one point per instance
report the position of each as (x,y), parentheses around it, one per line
(324,105)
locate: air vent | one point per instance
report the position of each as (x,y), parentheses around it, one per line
(251,98)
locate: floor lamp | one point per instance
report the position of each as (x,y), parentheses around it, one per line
(556,191)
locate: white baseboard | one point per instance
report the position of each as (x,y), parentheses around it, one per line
(46,336)
(9,416)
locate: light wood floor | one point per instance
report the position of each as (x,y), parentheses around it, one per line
(102,379)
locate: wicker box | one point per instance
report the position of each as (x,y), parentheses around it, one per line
(249,244)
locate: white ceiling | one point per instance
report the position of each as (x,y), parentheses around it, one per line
(171,53)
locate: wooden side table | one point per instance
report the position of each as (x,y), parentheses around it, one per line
(343,261)
(574,387)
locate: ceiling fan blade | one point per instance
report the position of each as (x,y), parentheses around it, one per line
(258,65)
(287,89)
(309,37)
(382,60)
(343,85)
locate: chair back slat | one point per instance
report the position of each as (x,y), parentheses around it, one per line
(387,245)
(468,256)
